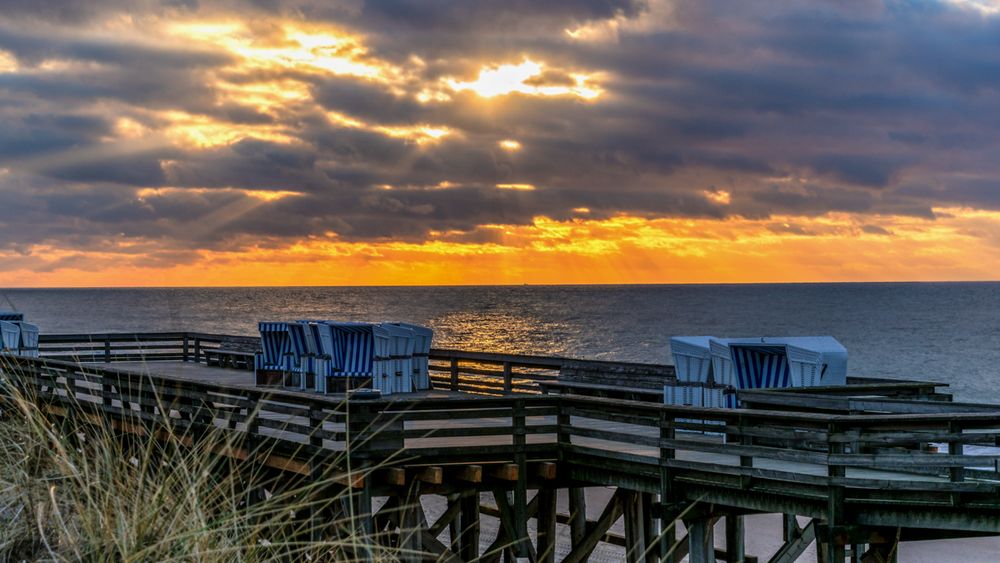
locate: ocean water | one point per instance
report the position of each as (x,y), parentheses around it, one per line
(946,332)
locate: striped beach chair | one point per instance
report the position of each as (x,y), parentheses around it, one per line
(303,355)
(422,337)
(760,366)
(10,337)
(787,361)
(692,357)
(361,353)
(276,352)
(401,343)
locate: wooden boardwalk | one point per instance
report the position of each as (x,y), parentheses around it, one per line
(856,461)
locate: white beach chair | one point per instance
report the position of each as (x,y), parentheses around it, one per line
(421,355)
(28,342)
(10,337)
(401,345)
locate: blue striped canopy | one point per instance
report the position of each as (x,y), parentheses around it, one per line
(275,343)
(358,346)
(297,335)
(760,366)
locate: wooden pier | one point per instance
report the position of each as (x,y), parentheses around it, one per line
(870,464)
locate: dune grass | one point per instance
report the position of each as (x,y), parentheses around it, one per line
(77,489)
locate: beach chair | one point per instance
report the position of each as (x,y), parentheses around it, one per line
(692,357)
(10,337)
(28,341)
(788,361)
(421,355)
(401,343)
(304,353)
(360,358)
(275,361)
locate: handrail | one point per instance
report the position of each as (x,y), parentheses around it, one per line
(762,444)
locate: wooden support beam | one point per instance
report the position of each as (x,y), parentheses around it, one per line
(635,527)
(411,527)
(546,525)
(469,532)
(795,546)
(395,476)
(701,542)
(504,472)
(577,515)
(436,551)
(649,528)
(509,525)
(470,474)
(388,515)
(447,517)
(546,470)
(735,548)
(433,475)
(611,513)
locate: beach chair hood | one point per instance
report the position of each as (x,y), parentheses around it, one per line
(10,336)
(692,357)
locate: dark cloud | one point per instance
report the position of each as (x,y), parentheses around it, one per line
(793,108)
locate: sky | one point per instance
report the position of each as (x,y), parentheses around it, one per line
(401,142)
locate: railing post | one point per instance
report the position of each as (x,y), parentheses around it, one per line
(508,384)
(197,350)
(185,347)
(519,438)
(668,528)
(454,374)
(956,447)
(107,350)
(835,499)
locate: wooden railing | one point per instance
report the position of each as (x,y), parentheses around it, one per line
(132,346)
(799,454)
(457,370)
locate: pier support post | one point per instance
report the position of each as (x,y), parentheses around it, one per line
(577,515)
(828,550)
(523,546)
(735,550)
(639,531)
(411,549)
(469,533)
(546,548)
(667,538)
(701,540)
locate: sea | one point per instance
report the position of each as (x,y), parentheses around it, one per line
(947,332)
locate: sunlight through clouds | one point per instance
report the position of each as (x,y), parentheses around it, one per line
(505,79)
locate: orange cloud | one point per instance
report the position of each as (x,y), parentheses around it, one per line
(961,245)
